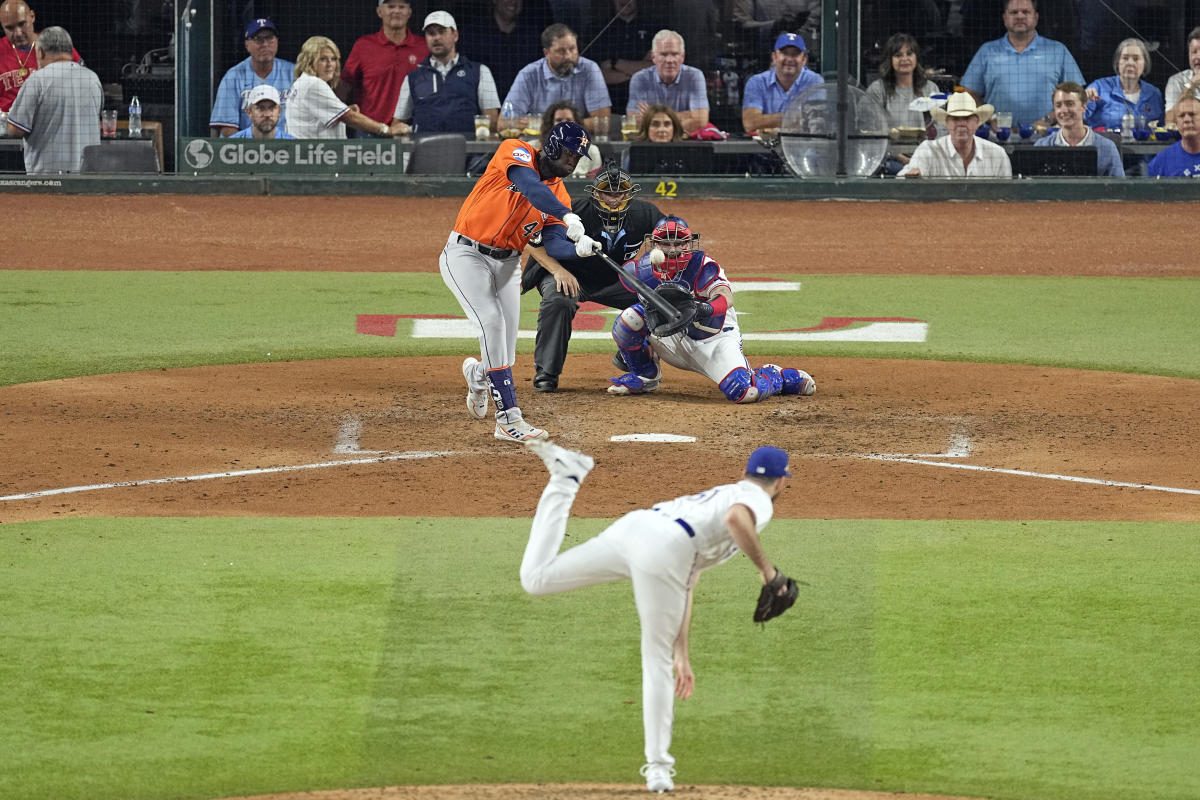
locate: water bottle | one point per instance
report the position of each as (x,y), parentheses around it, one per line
(730,79)
(1127,127)
(135,119)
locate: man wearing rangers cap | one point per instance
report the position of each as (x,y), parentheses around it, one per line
(263,104)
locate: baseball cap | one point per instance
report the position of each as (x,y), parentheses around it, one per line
(442,18)
(258,25)
(790,40)
(770,462)
(264,91)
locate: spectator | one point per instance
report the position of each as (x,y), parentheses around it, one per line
(1186,82)
(1182,159)
(1070,105)
(622,47)
(57,110)
(314,110)
(379,61)
(566,111)
(447,90)
(1018,71)
(660,124)
(263,104)
(670,82)
(506,40)
(561,74)
(697,22)
(960,154)
(17,61)
(1111,98)
(768,93)
(261,66)
(613,216)
(767,18)
(901,80)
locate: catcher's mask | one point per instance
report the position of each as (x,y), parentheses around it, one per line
(611,191)
(675,239)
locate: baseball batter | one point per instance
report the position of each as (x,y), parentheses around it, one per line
(711,345)
(520,193)
(662,551)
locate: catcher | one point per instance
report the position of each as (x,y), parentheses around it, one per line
(662,551)
(706,338)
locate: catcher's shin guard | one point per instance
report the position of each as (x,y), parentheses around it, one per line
(797,381)
(741,386)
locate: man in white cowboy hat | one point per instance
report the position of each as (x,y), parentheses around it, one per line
(960,154)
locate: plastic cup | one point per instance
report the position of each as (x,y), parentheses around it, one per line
(483,128)
(108,123)
(1025,130)
(629,126)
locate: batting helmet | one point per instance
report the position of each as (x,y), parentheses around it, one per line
(566,136)
(675,239)
(611,191)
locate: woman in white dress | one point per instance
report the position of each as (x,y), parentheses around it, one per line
(313,110)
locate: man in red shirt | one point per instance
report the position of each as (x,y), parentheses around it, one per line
(378,62)
(17,58)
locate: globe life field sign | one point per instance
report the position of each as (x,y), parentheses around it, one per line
(291,156)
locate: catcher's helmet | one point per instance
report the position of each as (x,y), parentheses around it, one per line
(675,239)
(611,191)
(566,136)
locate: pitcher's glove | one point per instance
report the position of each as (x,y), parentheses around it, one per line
(771,603)
(679,298)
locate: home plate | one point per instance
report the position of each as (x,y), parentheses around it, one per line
(652,437)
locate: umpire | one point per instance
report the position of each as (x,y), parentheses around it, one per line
(614,218)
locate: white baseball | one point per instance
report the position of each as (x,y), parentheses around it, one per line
(656,256)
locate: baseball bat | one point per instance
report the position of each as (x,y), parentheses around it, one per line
(669,312)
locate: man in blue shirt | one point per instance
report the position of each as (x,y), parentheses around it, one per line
(261,66)
(670,82)
(768,93)
(1018,72)
(263,104)
(562,74)
(1182,159)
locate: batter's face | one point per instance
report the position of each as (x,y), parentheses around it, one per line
(563,55)
(264,116)
(442,41)
(17,21)
(662,128)
(788,62)
(668,58)
(394,14)
(263,46)
(1019,17)
(326,65)
(563,166)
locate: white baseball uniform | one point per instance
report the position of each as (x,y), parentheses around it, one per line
(662,551)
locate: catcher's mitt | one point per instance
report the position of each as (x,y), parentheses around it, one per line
(679,298)
(770,602)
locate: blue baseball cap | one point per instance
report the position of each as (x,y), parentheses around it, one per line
(790,40)
(769,462)
(259,24)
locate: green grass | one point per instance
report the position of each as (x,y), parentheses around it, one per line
(64,324)
(150,658)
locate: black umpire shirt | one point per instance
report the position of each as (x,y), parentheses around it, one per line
(593,274)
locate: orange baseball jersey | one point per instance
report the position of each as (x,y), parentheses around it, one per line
(498,215)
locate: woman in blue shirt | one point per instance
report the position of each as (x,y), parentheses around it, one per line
(1109,99)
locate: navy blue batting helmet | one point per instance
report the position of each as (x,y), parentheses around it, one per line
(569,136)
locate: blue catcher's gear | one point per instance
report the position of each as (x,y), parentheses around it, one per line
(675,240)
(566,136)
(797,381)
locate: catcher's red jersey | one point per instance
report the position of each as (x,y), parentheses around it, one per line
(495,213)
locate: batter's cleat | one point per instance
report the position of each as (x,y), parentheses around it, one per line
(632,383)
(658,777)
(477,391)
(561,462)
(518,430)
(545,382)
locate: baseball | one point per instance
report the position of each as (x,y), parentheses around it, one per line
(656,256)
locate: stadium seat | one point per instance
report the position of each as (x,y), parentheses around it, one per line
(439,154)
(120,156)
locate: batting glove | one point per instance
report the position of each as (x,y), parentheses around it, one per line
(574,227)
(587,246)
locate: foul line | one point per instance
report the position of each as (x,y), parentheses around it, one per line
(235,474)
(1028,474)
